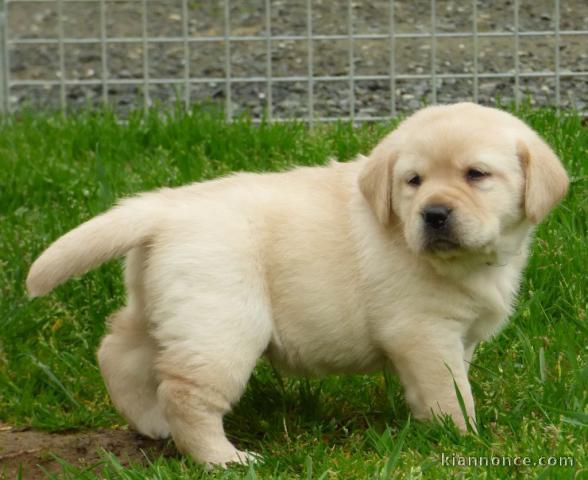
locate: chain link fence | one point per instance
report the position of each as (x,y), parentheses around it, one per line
(305,59)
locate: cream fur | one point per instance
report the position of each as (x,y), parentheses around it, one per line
(322,269)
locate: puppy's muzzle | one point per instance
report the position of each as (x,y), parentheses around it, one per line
(439,233)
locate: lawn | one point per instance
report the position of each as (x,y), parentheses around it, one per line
(530,382)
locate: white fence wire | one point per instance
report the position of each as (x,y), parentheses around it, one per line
(48,60)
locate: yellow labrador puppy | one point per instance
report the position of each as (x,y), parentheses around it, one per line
(409,257)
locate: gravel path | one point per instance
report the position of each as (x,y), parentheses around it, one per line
(248,58)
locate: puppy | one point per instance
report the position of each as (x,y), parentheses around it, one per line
(407,257)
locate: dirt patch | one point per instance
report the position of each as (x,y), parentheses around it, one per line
(33,451)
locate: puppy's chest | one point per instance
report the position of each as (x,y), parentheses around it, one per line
(493,293)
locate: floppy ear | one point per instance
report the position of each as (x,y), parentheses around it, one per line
(546,181)
(375,184)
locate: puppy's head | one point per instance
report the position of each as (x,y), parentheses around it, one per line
(460,177)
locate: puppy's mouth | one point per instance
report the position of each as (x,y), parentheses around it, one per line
(442,245)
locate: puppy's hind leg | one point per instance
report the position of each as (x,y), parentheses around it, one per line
(127,355)
(206,359)
(126,358)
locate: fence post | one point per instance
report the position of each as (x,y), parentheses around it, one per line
(3,57)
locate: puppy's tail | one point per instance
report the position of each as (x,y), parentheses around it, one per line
(106,236)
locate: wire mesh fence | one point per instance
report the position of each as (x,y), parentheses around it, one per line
(305,59)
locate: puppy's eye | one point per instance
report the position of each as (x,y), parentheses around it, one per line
(474,175)
(415,180)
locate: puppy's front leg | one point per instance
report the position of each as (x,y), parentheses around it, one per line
(428,366)
(468,354)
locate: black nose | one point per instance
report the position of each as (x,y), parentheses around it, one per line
(436,216)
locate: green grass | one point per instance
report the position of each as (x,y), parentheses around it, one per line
(530,383)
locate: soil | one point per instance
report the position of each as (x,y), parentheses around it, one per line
(81,20)
(33,451)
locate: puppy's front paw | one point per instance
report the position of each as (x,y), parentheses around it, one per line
(246,457)
(238,457)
